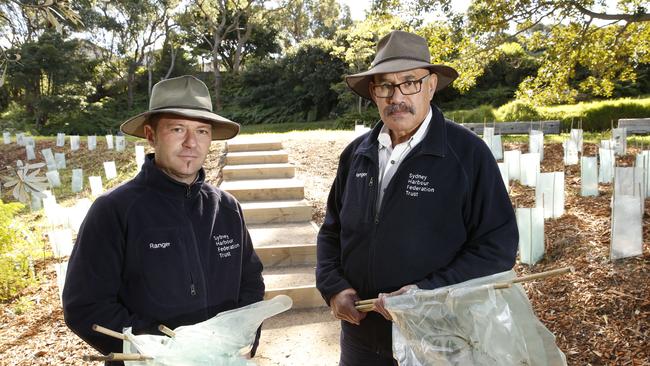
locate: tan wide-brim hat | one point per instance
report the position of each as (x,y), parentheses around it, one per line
(396,52)
(185,96)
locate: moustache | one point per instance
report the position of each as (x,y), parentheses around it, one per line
(396,108)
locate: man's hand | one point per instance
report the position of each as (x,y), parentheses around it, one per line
(379,303)
(342,305)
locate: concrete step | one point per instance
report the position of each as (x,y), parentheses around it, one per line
(257,157)
(300,337)
(297,282)
(258,171)
(253,144)
(283,234)
(263,212)
(265,189)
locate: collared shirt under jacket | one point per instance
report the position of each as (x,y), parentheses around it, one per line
(445,218)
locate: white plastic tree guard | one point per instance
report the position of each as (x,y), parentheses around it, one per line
(570,152)
(110,170)
(77,213)
(139,155)
(512,159)
(92,142)
(503,168)
(643,161)
(576,136)
(530,222)
(74,142)
(120,143)
(629,181)
(549,194)
(53,178)
(222,340)
(619,136)
(77,180)
(61,242)
(493,142)
(109,142)
(96,187)
(30,152)
(606,168)
(529,169)
(536,143)
(6,136)
(60,139)
(627,227)
(49,159)
(61,269)
(59,158)
(589,176)
(20,138)
(470,323)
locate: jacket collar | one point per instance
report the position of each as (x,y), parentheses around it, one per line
(155,178)
(433,143)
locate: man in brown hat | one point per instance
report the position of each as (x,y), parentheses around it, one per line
(166,247)
(417,202)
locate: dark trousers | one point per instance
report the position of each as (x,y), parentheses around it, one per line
(355,354)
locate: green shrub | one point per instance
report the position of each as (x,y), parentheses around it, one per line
(597,116)
(517,111)
(16,248)
(483,113)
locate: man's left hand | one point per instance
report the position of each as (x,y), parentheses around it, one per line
(379,303)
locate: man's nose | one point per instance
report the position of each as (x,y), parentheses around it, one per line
(190,139)
(397,96)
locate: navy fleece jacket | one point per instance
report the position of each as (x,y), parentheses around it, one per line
(155,251)
(445,218)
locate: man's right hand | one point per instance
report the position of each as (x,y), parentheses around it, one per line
(342,305)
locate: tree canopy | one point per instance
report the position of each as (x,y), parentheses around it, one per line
(285,60)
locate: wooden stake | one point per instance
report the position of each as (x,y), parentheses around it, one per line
(366,305)
(166,331)
(108,332)
(117,357)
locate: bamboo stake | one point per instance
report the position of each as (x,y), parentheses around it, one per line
(166,331)
(108,332)
(117,357)
(366,305)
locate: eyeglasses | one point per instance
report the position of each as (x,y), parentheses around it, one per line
(408,87)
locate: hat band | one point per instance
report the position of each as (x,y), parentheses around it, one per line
(399,58)
(183,107)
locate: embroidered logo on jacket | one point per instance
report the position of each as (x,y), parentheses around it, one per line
(164,245)
(225,245)
(418,183)
(362,175)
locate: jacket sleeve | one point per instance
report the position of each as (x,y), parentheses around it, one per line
(93,280)
(329,272)
(492,234)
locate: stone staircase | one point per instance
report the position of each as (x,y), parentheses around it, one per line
(259,175)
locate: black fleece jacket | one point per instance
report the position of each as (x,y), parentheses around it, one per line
(155,251)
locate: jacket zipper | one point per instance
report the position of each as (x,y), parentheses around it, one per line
(192,287)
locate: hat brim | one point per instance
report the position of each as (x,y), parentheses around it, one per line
(222,128)
(359,83)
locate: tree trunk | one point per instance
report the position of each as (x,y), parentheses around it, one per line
(241,42)
(130,80)
(172,63)
(217,72)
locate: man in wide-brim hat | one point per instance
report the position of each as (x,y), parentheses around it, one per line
(418,202)
(165,247)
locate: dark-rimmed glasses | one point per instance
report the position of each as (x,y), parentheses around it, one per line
(408,87)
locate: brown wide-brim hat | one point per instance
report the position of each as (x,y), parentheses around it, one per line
(396,52)
(185,96)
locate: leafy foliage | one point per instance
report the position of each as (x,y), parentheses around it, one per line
(517,111)
(16,246)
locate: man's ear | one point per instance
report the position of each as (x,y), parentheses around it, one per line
(150,134)
(432,84)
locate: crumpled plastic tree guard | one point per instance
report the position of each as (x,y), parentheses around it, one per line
(219,341)
(470,324)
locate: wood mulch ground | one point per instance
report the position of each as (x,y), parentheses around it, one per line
(600,314)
